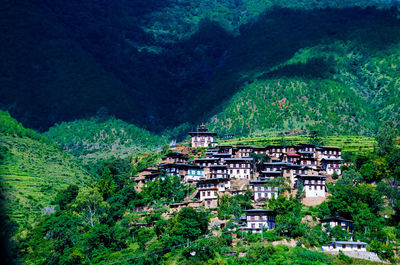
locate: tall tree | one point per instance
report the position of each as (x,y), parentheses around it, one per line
(90,206)
(386,138)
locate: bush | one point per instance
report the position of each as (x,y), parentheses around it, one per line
(344,257)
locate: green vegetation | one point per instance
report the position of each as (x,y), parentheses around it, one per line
(245,66)
(32,171)
(354,144)
(103,138)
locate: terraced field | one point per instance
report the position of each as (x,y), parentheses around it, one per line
(32,173)
(356,144)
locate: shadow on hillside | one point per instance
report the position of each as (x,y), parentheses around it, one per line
(68,60)
(7,227)
(279,33)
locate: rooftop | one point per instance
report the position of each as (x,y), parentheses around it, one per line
(347,243)
(336,218)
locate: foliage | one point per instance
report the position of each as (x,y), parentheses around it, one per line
(99,139)
(90,206)
(233,205)
(167,188)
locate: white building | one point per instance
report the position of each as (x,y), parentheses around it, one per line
(261,192)
(256,219)
(201,137)
(333,221)
(209,189)
(313,185)
(331,165)
(345,246)
(195,173)
(239,168)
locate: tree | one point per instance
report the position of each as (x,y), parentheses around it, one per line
(66,196)
(316,137)
(258,162)
(386,138)
(90,206)
(338,233)
(106,185)
(189,224)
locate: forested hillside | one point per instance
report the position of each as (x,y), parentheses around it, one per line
(32,171)
(103,138)
(160,64)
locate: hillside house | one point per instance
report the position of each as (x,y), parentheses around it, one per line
(329,152)
(257,219)
(313,185)
(243,151)
(333,221)
(194,173)
(276,151)
(175,169)
(239,168)
(345,246)
(141,178)
(261,192)
(202,137)
(207,162)
(175,158)
(209,190)
(331,165)
(218,171)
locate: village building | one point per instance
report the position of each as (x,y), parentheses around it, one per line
(260,150)
(276,151)
(243,151)
(239,168)
(202,137)
(175,169)
(194,173)
(329,152)
(274,166)
(345,246)
(258,219)
(209,190)
(332,165)
(218,171)
(146,174)
(293,158)
(313,185)
(175,158)
(225,149)
(305,149)
(262,191)
(333,221)
(267,175)
(206,162)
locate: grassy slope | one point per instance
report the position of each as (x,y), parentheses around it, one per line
(33,172)
(91,140)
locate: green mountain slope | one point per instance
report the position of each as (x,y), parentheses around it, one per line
(95,139)
(32,171)
(159,64)
(344,83)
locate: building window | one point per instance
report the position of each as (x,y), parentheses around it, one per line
(344,246)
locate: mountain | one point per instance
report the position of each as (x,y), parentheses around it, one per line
(160,64)
(33,170)
(98,139)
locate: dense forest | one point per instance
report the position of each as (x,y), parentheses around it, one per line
(59,212)
(160,64)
